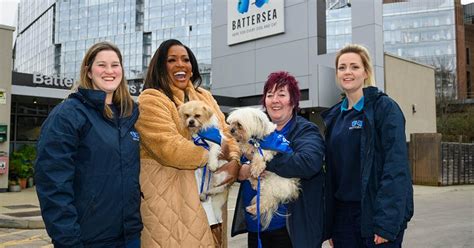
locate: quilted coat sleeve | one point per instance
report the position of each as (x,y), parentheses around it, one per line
(158,125)
(54,176)
(307,157)
(395,182)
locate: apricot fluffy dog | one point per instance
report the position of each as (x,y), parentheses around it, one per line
(248,126)
(198,117)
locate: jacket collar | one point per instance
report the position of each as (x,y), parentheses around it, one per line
(358,106)
(329,114)
(179,94)
(371,94)
(96,100)
(93,98)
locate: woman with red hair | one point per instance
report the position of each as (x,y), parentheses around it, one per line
(298,223)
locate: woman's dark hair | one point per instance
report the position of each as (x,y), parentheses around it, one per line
(279,80)
(157,74)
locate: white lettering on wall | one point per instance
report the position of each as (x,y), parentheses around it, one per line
(56,81)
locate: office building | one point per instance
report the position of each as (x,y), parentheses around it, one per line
(428,31)
(469,34)
(249,43)
(53,36)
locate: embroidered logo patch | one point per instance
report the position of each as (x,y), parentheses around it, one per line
(135,136)
(356,124)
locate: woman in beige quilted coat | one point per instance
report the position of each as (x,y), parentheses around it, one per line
(172,213)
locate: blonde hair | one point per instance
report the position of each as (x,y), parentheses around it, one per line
(121,97)
(364,56)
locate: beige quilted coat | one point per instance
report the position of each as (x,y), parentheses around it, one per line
(171,210)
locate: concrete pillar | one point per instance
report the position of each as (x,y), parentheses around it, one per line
(6,38)
(367,29)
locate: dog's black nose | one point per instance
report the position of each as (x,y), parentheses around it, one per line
(191,122)
(232,130)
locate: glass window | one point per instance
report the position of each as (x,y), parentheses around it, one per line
(28,128)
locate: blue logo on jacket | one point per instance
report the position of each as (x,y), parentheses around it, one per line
(135,136)
(243,5)
(356,124)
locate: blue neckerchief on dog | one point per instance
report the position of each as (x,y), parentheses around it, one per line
(274,141)
(211,134)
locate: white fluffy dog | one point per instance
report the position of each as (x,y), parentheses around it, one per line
(248,127)
(197,117)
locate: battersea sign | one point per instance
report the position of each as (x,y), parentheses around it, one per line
(53,81)
(40,80)
(253,19)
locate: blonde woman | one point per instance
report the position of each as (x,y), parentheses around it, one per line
(367,159)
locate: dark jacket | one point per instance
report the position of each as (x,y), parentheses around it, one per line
(87,174)
(386,187)
(305,215)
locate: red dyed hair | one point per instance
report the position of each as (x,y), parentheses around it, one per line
(279,80)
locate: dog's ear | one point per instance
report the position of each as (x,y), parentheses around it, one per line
(207,110)
(258,127)
(264,122)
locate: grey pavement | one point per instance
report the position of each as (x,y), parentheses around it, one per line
(444,218)
(20,210)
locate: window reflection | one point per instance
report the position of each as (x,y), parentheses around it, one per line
(62,33)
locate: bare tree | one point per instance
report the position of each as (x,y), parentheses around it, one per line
(445,80)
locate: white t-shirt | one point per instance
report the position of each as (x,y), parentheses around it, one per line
(207,205)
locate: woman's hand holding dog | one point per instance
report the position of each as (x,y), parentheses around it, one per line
(244,172)
(232,168)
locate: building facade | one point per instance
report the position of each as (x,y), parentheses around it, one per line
(428,31)
(53,35)
(240,69)
(469,34)
(6,37)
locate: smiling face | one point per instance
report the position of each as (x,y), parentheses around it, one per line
(179,66)
(106,73)
(279,107)
(351,73)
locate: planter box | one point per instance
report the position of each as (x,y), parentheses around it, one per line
(14,188)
